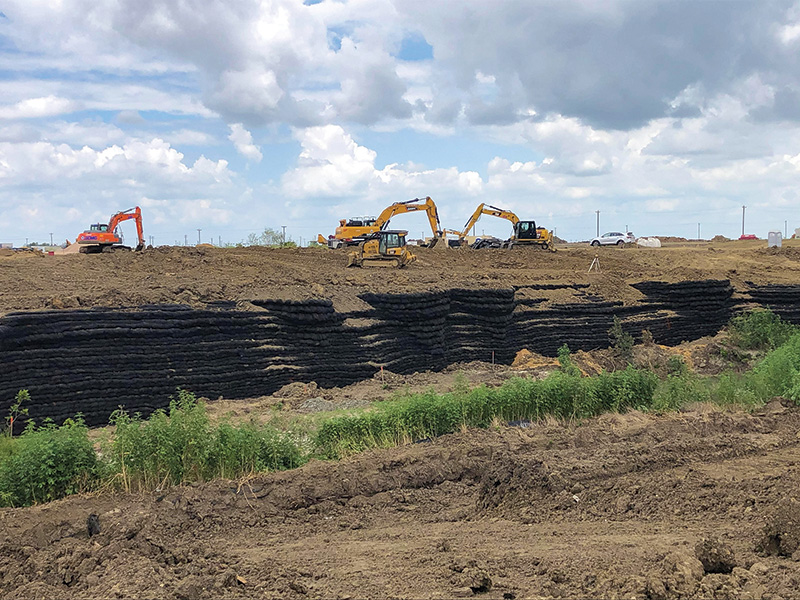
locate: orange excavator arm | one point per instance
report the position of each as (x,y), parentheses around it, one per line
(485,209)
(132,213)
(414,205)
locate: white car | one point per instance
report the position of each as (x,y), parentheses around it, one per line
(614,238)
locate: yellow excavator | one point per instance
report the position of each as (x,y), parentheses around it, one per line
(386,248)
(356,230)
(526,233)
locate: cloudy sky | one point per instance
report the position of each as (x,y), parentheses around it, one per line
(235,115)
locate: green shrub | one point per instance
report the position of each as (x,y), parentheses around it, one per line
(565,361)
(249,448)
(733,388)
(182,446)
(621,341)
(676,365)
(16,411)
(760,329)
(48,463)
(680,389)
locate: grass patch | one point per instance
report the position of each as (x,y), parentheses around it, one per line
(561,395)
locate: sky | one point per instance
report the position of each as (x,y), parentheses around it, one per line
(232,116)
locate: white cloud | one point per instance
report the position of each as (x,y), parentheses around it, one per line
(137,160)
(243,141)
(332,164)
(29,108)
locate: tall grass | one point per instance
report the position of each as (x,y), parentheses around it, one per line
(427,415)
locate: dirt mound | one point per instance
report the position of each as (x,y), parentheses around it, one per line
(717,556)
(613,507)
(781,534)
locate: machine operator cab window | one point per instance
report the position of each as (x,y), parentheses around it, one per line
(98,228)
(526,230)
(391,239)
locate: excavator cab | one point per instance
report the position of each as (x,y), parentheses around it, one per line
(526,230)
(526,233)
(98,227)
(385,248)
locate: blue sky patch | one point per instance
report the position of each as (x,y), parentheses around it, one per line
(415,47)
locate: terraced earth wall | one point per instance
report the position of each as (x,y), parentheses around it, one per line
(93,361)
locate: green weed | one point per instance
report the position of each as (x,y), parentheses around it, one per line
(181,446)
(760,329)
(621,341)
(48,463)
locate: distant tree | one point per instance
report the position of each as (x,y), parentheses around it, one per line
(269,237)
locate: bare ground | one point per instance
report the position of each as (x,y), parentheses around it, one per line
(617,507)
(611,508)
(30,281)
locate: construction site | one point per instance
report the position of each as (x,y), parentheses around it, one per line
(628,504)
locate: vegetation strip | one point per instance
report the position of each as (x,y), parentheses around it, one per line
(182,445)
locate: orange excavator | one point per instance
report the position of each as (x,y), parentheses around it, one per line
(105,238)
(526,233)
(355,231)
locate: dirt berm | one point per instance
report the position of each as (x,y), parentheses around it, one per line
(624,506)
(195,276)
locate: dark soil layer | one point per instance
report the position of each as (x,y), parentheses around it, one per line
(85,361)
(624,506)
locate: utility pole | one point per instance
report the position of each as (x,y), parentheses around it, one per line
(743,207)
(626,229)
(598,222)
(785,229)
(220,241)
(51,239)
(283,235)
(26,242)
(698,231)
(198,235)
(185,240)
(151,239)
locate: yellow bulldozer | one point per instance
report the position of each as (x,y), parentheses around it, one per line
(385,248)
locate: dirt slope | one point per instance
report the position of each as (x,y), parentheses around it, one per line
(32,281)
(611,508)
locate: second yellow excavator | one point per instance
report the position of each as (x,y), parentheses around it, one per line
(526,233)
(354,231)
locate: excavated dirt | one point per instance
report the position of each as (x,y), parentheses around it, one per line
(701,504)
(692,505)
(30,281)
